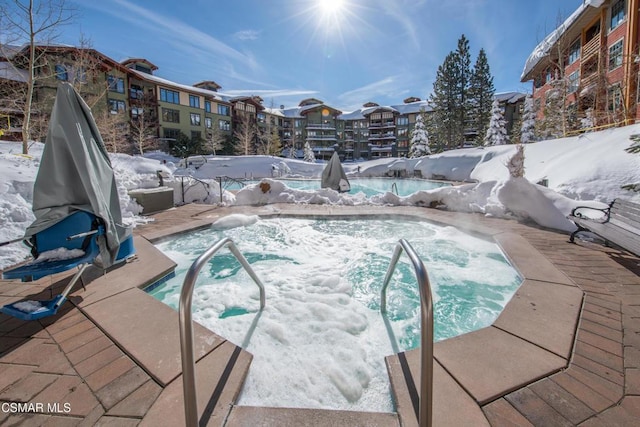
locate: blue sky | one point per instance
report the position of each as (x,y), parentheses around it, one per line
(344,52)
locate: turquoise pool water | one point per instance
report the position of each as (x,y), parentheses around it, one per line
(321,341)
(369,186)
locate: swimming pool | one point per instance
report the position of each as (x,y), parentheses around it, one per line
(369,186)
(320,341)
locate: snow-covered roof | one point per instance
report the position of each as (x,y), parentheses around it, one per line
(354,115)
(510,97)
(542,50)
(159,80)
(274,112)
(407,108)
(412,107)
(8,72)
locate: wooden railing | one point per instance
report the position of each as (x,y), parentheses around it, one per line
(592,47)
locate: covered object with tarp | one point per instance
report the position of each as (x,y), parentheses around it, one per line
(75,174)
(334,177)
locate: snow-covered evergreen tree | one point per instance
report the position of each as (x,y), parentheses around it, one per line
(419,139)
(497,131)
(527,130)
(553,124)
(308,153)
(588,121)
(292,152)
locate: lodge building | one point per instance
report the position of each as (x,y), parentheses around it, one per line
(590,62)
(202,112)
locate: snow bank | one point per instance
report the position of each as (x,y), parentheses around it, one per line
(589,169)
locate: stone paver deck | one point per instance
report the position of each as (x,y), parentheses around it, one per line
(99,361)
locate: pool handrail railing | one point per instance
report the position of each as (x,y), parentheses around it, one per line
(425,415)
(186,325)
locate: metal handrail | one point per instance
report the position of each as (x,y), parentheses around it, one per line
(426,330)
(186,327)
(394,188)
(224,181)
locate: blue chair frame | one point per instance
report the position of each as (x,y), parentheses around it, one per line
(79,231)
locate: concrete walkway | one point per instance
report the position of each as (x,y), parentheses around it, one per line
(90,364)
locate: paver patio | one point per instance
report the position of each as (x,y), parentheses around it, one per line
(94,356)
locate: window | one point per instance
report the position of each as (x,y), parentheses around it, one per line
(116,106)
(171,96)
(207,106)
(262,118)
(116,84)
(208,122)
(61,72)
(196,135)
(403,132)
(298,123)
(171,134)
(223,110)
(136,112)
(574,80)
(195,119)
(615,55)
(136,92)
(224,125)
(81,75)
(614,98)
(617,14)
(194,101)
(402,121)
(549,75)
(142,68)
(169,115)
(574,52)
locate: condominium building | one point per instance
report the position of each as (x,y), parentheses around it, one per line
(161,111)
(590,63)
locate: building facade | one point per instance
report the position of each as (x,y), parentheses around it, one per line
(589,65)
(159,112)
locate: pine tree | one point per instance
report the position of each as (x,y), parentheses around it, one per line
(527,129)
(481,95)
(463,108)
(444,126)
(553,124)
(497,131)
(308,153)
(419,139)
(452,97)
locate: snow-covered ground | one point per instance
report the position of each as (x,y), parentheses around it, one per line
(589,169)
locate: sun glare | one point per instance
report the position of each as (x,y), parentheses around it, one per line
(331,6)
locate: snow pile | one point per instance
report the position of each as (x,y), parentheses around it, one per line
(233,221)
(589,169)
(29,306)
(59,254)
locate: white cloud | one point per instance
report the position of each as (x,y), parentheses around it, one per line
(391,87)
(176,31)
(246,35)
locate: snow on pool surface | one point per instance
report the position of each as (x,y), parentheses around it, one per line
(321,341)
(369,186)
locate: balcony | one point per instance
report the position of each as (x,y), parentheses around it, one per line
(591,48)
(321,138)
(320,126)
(382,125)
(382,136)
